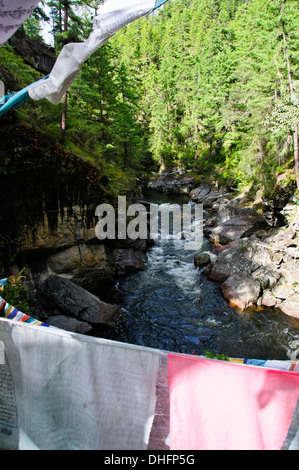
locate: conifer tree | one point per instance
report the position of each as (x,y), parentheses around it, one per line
(193,85)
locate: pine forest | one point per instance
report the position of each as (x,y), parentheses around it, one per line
(206,86)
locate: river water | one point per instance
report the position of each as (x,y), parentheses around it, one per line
(173,306)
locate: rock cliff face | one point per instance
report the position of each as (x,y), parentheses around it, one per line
(36,54)
(170,183)
(47,222)
(48,202)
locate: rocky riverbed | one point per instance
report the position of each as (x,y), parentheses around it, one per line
(255,262)
(254,259)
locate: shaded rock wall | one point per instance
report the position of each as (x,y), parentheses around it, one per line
(47,224)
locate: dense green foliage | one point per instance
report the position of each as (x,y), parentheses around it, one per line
(207,85)
(215,85)
(16,293)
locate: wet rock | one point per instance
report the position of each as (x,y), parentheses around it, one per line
(243,259)
(202,259)
(200,191)
(230,211)
(241,291)
(237,227)
(129,260)
(171,183)
(70,324)
(291,306)
(77,302)
(86,265)
(205,194)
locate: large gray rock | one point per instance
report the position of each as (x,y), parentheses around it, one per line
(243,259)
(205,194)
(202,259)
(291,306)
(267,277)
(241,291)
(71,227)
(241,226)
(70,324)
(88,265)
(171,183)
(77,302)
(128,260)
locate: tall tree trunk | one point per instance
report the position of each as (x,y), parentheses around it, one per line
(65,15)
(63,117)
(64,104)
(60,17)
(287,57)
(295,132)
(296,155)
(196,140)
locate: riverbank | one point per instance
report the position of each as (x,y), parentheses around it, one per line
(255,239)
(172,305)
(255,259)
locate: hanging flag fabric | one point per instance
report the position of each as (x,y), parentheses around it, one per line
(65,391)
(113,16)
(11,313)
(218,405)
(3,283)
(291,366)
(13,13)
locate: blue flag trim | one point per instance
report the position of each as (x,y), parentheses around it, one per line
(14,100)
(159,3)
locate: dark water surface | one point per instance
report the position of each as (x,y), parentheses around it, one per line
(173,306)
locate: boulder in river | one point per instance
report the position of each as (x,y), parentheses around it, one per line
(171,183)
(205,194)
(242,258)
(240,226)
(241,291)
(88,265)
(70,324)
(128,260)
(202,259)
(78,303)
(291,306)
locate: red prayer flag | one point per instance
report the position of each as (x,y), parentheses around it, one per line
(218,405)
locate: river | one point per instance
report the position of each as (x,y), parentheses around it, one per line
(173,306)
